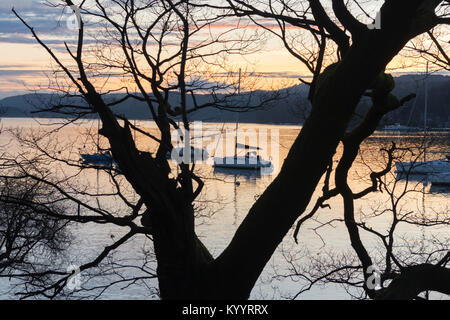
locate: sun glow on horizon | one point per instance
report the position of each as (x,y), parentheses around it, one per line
(25,66)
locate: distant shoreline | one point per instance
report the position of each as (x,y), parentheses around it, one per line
(290,110)
(296,125)
(139,119)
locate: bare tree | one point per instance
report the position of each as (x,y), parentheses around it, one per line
(26,233)
(432,48)
(396,256)
(185,267)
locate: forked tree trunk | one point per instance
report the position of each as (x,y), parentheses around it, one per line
(233,274)
(185,268)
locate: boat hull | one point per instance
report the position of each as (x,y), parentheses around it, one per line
(99,160)
(241,163)
(96,158)
(420,167)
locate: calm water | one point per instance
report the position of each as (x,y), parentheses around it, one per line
(225,200)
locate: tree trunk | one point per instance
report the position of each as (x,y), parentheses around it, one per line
(185,268)
(338,92)
(417,279)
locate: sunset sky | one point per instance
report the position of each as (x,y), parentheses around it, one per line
(23,63)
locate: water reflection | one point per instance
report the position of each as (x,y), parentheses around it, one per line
(239,176)
(238,173)
(231,192)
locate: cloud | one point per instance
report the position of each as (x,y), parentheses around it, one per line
(15,66)
(249,25)
(49,23)
(20,4)
(278,74)
(16,72)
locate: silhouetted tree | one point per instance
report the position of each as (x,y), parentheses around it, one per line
(431,48)
(185,267)
(392,250)
(29,230)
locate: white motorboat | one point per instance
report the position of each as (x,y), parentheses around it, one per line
(250,161)
(424,167)
(399,127)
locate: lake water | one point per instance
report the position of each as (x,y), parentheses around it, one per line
(224,202)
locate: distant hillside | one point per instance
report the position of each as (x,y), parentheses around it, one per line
(412,113)
(285,109)
(291,108)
